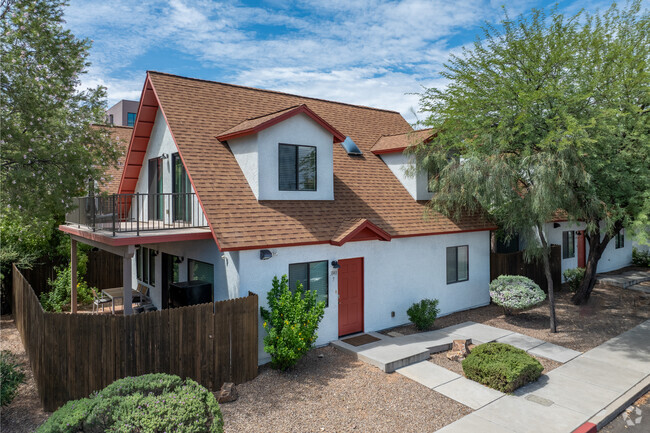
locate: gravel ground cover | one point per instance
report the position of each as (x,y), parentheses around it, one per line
(441,359)
(337,393)
(609,312)
(25,413)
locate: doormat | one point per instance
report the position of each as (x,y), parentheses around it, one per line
(360,340)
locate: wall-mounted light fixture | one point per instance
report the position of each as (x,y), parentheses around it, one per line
(265,254)
(556,225)
(164,156)
(154,253)
(335,264)
(179,260)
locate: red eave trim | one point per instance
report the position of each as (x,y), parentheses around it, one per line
(329,242)
(338,137)
(394,150)
(381,234)
(135,240)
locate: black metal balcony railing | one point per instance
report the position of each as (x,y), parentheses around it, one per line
(120,213)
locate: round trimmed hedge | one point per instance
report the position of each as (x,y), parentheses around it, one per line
(501,366)
(515,293)
(149,403)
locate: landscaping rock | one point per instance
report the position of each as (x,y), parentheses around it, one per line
(227,393)
(459,350)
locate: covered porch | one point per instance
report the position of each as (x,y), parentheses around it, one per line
(124,245)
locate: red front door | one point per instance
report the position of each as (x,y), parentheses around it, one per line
(350,296)
(581,249)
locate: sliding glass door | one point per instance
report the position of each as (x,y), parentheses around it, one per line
(181,187)
(155,189)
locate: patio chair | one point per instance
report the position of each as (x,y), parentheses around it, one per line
(99,300)
(142,297)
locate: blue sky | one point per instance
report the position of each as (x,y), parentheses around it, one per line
(368,52)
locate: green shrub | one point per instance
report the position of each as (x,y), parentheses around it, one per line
(501,366)
(640,258)
(10,377)
(290,322)
(59,296)
(149,403)
(515,293)
(423,313)
(573,278)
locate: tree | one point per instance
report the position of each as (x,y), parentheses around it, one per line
(516,126)
(49,152)
(616,83)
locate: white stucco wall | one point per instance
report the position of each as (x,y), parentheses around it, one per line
(401,166)
(396,274)
(613,258)
(257,156)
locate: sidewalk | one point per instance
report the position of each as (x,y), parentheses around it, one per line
(570,395)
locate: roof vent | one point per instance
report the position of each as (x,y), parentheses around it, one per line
(351,147)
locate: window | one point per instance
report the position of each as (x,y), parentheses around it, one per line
(110,119)
(312,276)
(568,244)
(130,119)
(620,239)
(181,187)
(457,264)
(145,263)
(297,168)
(200,271)
(156,204)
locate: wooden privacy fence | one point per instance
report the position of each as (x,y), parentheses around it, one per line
(73,355)
(514,264)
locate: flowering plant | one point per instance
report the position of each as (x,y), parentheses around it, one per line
(515,293)
(290,322)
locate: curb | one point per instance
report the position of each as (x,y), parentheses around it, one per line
(605,416)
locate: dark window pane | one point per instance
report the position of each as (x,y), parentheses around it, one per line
(152,268)
(306,168)
(463,267)
(181,188)
(145,265)
(201,271)
(452,264)
(138,264)
(287,167)
(298,273)
(568,244)
(318,280)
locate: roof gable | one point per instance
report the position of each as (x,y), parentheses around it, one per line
(255,125)
(399,142)
(197,111)
(358,229)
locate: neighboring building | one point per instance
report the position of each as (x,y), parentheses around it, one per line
(110,182)
(123,113)
(227,186)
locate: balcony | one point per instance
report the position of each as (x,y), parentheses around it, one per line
(137,213)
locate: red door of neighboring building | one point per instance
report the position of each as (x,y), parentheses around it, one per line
(350,296)
(581,249)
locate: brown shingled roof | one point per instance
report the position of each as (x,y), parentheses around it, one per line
(399,142)
(364,187)
(256,124)
(113,174)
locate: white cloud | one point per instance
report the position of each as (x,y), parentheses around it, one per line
(369,52)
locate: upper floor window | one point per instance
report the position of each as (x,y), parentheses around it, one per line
(457,264)
(568,244)
(130,119)
(620,239)
(297,167)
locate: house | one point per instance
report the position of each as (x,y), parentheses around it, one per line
(225,187)
(232,186)
(123,113)
(110,182)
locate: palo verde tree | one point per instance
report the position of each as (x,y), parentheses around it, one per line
(513,128)
(49,152)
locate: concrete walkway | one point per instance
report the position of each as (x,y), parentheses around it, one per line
(392,353)
(626,280)
(570,395)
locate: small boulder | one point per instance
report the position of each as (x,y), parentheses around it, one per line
(227,393)
(459,350)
